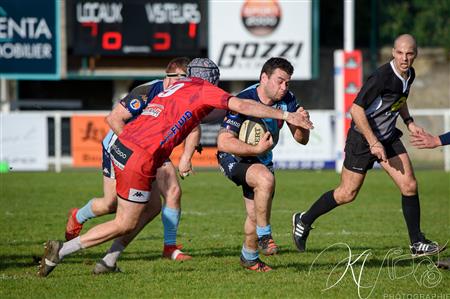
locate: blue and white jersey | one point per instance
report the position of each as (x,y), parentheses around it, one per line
(135,102)
(233,121)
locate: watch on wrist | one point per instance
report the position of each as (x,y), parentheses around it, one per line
(408,120)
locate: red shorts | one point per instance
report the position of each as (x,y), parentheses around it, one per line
(134,170)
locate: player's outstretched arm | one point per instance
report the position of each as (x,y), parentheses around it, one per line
(300,135)
(117,118)
(252,108)
(425,140)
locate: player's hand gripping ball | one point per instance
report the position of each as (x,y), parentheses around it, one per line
(252,130)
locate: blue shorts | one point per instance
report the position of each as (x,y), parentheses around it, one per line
(108,169)
(235,169)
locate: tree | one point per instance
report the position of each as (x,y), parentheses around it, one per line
(428,21)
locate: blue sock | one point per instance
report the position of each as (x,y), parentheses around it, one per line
(85,213)
(170,219)
(263,230)
(249,254)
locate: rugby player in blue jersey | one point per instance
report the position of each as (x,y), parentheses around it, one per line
(167,184)
(251,166)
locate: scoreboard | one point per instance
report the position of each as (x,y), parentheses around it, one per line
(135,27)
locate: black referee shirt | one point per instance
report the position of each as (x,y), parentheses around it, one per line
(381,96)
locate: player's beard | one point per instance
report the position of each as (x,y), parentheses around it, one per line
(276,95)
(279,95)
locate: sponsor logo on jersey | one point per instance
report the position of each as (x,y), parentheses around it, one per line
(120,154)
(397,105)
(138,195)
(135,104)
(176,128)
(153,110)
(232,122)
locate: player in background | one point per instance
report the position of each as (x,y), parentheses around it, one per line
(168,186)
(251,166)
(374,137)
(148,141)
(426,140)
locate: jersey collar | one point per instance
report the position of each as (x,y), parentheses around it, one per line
(404,82)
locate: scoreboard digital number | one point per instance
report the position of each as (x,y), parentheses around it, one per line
(135,27)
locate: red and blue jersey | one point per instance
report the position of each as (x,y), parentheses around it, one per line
(135,102)
(172,115)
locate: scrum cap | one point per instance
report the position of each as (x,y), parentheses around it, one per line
(205,69)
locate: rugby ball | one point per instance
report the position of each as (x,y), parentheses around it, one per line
(252,130)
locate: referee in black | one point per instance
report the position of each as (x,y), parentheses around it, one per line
(374,137)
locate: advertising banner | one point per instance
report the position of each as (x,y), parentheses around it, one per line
(317,154)
(87,133)
(29,39)
(244,34)
(207,158)
(23,141)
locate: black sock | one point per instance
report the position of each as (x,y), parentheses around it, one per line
(411,212)
(323,205)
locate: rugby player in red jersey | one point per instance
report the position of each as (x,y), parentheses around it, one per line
(147,142)
(166,185)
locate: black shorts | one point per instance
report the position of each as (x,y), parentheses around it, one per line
(236,169)
(358,157)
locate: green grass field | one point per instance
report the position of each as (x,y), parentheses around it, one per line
(33,208)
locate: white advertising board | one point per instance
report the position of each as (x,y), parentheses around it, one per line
(244,34)
(24,141)
(317,154)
